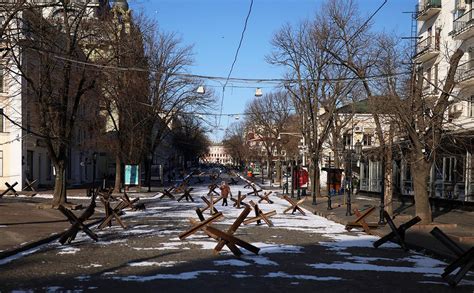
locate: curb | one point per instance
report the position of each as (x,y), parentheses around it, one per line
(37,243)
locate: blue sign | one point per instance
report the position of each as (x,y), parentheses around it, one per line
(131,174)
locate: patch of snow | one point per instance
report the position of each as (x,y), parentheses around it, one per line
(241,276)
(69,250)
(181,276)
(166,264)
(92,265)
(231,262)
(260,260)
(347,266)
(20,255)
(300,277)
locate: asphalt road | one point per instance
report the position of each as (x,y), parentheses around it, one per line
(301,253)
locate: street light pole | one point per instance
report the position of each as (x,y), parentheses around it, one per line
(293,179)
(329,184)
(94,161)
(349,182)
(382,195)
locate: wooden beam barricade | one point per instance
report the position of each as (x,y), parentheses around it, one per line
(360,221)
(167,192)
(294,205)
(464,260)
(238,203)
(10,188)
(255,191)
(260,215)
(227,238)
(112,213)
(233,181)
(187,195)
(212,189)
(210,205)
(397,233)
(29,185)
(264,197)
(128,203)
(200,226)
(77,223)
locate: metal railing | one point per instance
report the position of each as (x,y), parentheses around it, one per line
(427,44)
(463,22)
(465,71)
(427,4)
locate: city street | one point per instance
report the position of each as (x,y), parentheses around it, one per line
(301,253)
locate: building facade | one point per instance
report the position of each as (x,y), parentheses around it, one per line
(217,155)
(23,154)
(442,26)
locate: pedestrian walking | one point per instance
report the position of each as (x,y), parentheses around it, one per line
(225,191)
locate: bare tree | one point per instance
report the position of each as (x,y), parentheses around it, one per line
(54,40)
(125,89)
(189,138)
(235,143)
(267,117)
(172,90)
(365,53)
(314,83)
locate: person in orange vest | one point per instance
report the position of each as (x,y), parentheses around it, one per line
(225,191)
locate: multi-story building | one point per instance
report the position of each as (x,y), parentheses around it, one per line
(217,155)
(442,27)
(23,155)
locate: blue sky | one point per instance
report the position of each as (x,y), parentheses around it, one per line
(214,28)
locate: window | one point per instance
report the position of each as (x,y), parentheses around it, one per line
(436,78)
(428,78)
(367,139)
(347,139)
(2,73)
(470,108)
(1,121)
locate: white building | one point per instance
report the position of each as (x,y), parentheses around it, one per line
(442,27)
(217,155)
(22,154)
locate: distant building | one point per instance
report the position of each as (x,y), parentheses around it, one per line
(217,155)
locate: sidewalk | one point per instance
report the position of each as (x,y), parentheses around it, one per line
(457,224)
(26,222)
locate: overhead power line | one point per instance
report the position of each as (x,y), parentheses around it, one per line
(235,59)
(235,79)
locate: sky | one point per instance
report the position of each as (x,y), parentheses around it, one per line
(214,28)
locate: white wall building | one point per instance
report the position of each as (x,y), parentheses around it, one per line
(217,155)
(443,26)
(23,155)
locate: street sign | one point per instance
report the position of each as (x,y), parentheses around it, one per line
(131,174)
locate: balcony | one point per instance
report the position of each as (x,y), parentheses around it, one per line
(427,49)
(465,74)
(463,26)
(427,9)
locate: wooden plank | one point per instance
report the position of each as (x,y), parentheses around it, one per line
(199,226)
(232,239)
(235,226)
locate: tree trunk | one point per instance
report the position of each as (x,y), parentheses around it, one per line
(118,174)
(269,172)
(388,175)
(315,178)
(421,172)
(60,195)
(278,170)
